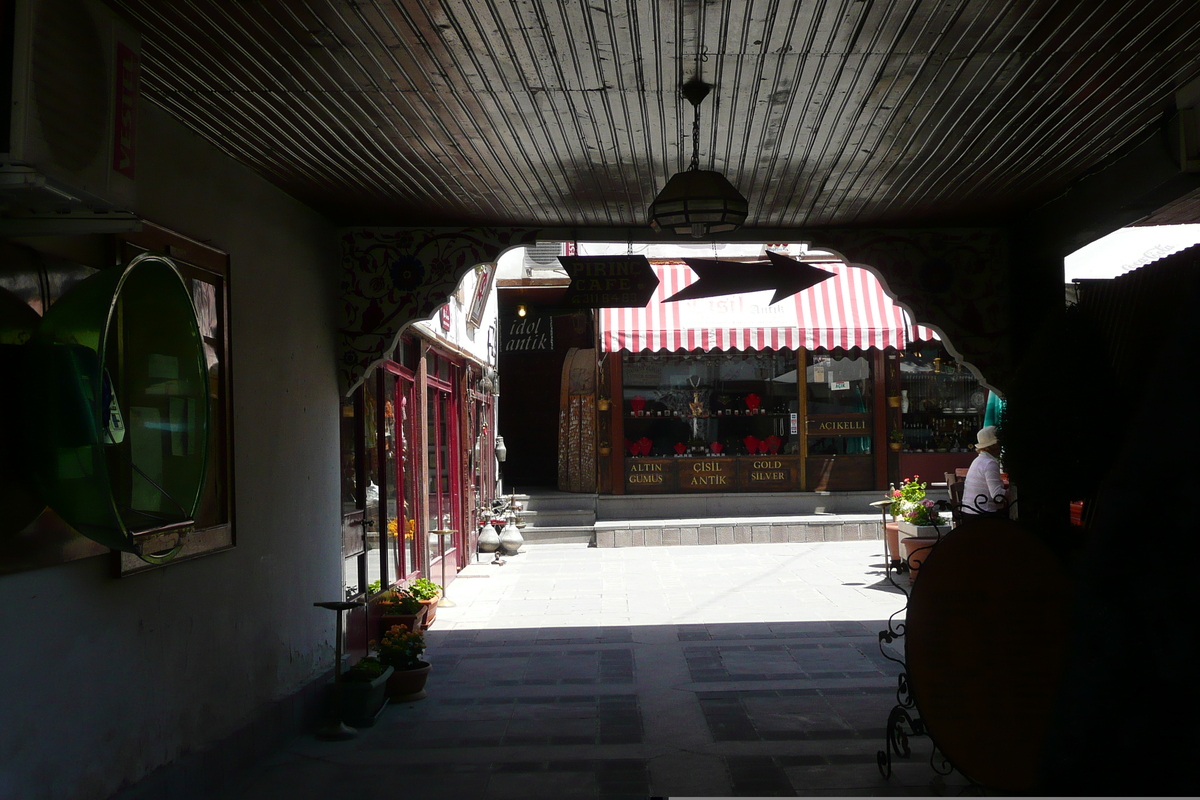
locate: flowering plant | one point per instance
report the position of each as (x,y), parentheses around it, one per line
(921,513)
(910,503)
(401,648)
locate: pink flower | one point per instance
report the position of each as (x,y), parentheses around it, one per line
(896,493)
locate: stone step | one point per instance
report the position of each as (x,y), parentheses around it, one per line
(562,500)
(565,534)
(564,518)
(743,530)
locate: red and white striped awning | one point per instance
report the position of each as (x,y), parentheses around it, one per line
(847,311)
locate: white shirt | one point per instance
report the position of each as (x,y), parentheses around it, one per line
(983,486)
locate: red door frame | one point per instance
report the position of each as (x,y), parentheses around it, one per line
(406,382)
(446,418)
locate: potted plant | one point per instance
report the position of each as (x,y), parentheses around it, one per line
(911,508)
(428,593)
(364,692)
(399,608)
(896,440)
(917,523)
(402,649)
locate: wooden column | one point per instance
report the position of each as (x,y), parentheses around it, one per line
(802,390)
(616,411)
(604,481)
(895,416)
(881,411)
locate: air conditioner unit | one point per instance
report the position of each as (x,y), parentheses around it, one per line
(67,109)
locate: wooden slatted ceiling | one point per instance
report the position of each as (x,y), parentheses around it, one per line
(565,113)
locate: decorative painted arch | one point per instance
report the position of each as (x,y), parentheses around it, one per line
(956,281)
(392,277)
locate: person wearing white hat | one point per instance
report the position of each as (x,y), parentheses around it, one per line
(983,491)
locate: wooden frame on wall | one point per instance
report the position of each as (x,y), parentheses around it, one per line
(203,266)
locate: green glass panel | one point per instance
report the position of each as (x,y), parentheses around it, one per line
(119,400)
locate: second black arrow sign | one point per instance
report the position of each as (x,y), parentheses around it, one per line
(786,276)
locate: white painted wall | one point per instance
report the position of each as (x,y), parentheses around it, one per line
(104,679)
(462,335)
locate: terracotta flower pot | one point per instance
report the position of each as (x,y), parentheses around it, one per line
(430,611)
(916,550)
(891,535)
(409,684)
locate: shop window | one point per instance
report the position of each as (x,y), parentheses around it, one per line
(353,495)
(942,404)
(838,385)
(371,461)
(710,404)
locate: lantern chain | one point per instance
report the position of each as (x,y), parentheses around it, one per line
(695,165)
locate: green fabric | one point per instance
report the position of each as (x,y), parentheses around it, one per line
(991,414)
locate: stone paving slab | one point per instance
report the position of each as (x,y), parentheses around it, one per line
(751,669)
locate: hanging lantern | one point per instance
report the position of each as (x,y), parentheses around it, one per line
(698,202)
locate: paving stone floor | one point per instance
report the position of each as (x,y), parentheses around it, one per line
(745,670)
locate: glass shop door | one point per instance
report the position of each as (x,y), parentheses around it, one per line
(402,477)
(443,515)
(838,442)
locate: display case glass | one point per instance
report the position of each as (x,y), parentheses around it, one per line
(942,403)
(712,404)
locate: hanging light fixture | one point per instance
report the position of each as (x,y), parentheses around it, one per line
(698,202)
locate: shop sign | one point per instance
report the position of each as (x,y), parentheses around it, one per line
(706,474)
(767,470)
(529,333)
(647,472)
(825,426)
(608,281)
(485,276)
(645,475)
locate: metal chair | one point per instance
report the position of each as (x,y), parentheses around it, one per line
(955,491)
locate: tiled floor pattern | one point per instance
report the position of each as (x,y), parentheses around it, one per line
(747,704)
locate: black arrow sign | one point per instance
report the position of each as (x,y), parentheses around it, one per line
(786,276)
(608,281)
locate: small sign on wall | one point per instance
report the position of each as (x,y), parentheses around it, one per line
(528,334)
(485,276)
(839,386)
